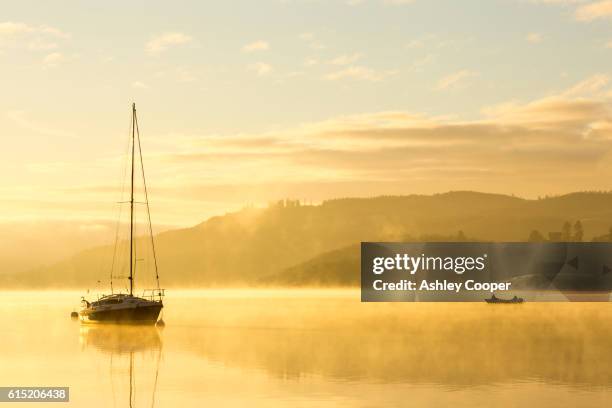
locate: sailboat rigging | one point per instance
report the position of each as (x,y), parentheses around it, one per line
(121,307)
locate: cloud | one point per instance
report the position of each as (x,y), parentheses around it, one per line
(589,87)
(310,39)
(53,60)
(584,10)
(139,85)
(582,107)
(13,29)
(416,43)
(38,45)
(555,112)
(307,37)
(30,37)
(420,64)
(359,73)
(561,141)
(20,118)
(558,143)
(346,59)
(594,11)
(162,42)
(454,80)
(534,38)
(260,68)
(256,46)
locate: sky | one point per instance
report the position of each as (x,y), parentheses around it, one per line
(242,103)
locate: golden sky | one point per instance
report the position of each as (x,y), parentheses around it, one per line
(249,102)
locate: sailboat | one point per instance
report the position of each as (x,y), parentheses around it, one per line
(127,307)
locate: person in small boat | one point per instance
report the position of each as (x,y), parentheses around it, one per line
(515,298)
(493,297)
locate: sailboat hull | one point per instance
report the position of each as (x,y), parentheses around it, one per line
(132,311)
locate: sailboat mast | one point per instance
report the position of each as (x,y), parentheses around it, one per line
(132,203)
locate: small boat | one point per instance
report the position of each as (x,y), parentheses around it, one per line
(127,307)
(494,299)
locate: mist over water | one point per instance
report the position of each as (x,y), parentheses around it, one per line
(312,348)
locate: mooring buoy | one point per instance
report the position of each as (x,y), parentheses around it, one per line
(74,315)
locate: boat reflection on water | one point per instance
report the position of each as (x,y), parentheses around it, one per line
(120,339)
(132,350)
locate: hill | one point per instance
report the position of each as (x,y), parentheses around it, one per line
(244,247)
(334,268)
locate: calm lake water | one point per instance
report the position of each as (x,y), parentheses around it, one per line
(298,348)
